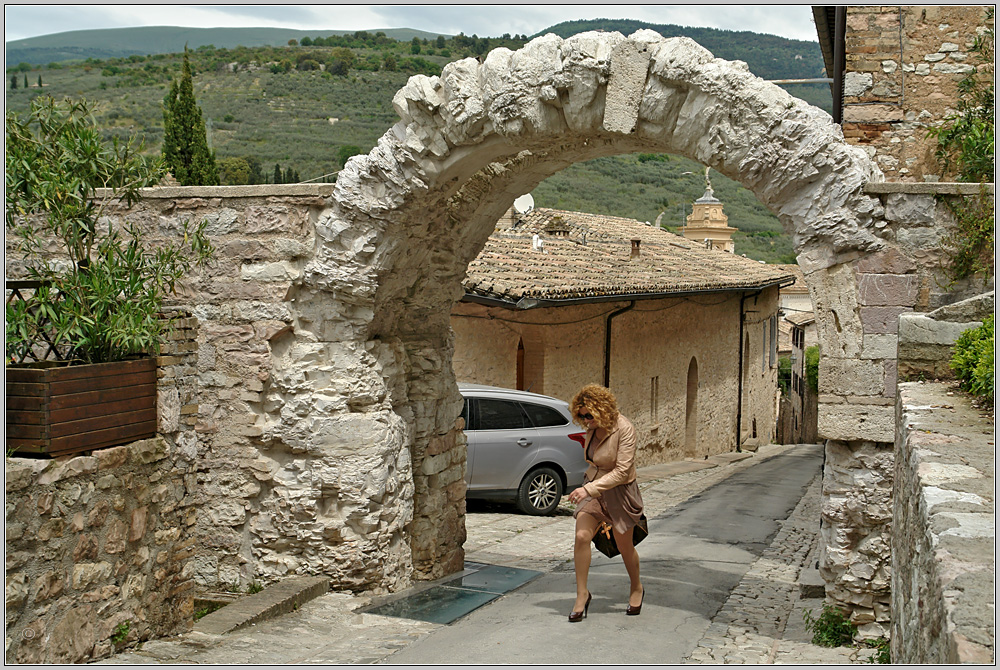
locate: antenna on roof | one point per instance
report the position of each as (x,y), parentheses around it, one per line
(524,204)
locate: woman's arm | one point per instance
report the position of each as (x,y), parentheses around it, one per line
(623,463)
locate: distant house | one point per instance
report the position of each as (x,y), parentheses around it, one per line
(684,335)
(799,412)
(794,300)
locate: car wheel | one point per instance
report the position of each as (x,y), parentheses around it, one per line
(540,492)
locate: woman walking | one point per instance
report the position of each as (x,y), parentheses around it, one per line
(610,493)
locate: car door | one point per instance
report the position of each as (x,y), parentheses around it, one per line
(501,447)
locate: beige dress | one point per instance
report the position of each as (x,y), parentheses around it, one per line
(611,460)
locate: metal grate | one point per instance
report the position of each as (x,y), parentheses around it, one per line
(44,344)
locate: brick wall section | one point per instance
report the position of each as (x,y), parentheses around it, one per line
(903,65)
(94,542)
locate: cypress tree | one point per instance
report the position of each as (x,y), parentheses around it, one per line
(185,145)
(26,80)
(13,82)
(39,81)
(277,174)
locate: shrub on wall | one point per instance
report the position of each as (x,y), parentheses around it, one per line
(812,368)
(972,360)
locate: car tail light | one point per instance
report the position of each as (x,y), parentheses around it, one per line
(579,437)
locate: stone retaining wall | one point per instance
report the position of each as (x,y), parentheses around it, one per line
(95,542)
(101,544)
(944,529)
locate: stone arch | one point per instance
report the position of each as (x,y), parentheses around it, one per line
(365,378)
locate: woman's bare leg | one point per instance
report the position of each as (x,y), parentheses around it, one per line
(631,558)
(586,526)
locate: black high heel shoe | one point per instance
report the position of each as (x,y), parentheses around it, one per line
(635,611)
(579,616)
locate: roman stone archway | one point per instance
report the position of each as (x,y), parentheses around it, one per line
(362,389)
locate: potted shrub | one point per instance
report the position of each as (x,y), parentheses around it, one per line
(84,324)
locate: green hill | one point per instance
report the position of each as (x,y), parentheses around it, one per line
(147,40)
(282,105)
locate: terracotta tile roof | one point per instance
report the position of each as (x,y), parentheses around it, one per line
(800,279)
(801,318)
(587,256)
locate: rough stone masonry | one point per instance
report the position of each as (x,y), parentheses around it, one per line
(327,432)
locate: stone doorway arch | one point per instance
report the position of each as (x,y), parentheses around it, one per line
(362,385)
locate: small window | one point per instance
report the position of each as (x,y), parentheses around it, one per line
(542,416)
(500,415)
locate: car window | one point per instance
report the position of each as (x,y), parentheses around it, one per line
(500,415)
(542,416)
(465,414)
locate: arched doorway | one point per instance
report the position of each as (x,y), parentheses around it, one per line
(691,411)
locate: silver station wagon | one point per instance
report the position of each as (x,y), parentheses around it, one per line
(522,446)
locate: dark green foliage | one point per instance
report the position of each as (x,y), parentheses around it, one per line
(415,46)
(831,629)
(970,245)
(812,367)
(26,81)
(185,146)
(784,374)
(121,632)
(881,655)
(234,171)
(972,359)
(105,305)
(345,152)
(277,177)
(13,82)
(39,81)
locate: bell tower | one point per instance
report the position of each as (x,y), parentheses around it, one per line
(707,224)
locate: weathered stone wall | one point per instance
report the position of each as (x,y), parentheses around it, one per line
(655,340)
(859,382)
(944,529)
(96,542)
(903,65)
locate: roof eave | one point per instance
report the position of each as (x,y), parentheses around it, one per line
(528,302)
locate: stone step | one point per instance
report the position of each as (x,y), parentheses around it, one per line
(275,600)
(811,585)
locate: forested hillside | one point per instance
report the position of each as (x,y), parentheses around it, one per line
(297,112)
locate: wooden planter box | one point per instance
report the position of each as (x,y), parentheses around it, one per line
(62,410)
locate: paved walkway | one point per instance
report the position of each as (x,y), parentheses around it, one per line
(760,623)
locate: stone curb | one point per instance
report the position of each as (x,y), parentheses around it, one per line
(280,598)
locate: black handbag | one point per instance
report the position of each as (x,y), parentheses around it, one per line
(604,538)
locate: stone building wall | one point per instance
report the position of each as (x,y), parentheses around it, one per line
(100,543)
(903,65)
(653,345)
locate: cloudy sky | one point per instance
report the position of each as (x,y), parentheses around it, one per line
(29,20)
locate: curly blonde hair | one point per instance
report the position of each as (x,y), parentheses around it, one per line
(598,401)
